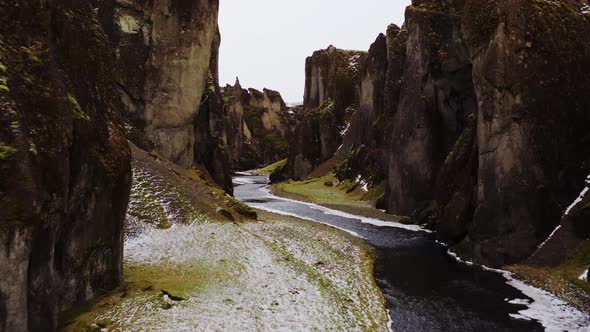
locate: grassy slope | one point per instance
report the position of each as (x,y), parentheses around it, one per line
(346,196)
(220,256)
(270,168)
(562,280)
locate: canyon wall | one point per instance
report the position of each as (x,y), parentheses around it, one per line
(164,51)
(331,95)
(530,62)
(475,113)
(64,162)
(212,128)
(263,126)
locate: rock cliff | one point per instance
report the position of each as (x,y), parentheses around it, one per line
(263,126)
(212,128)
(64,162)
(164,51)
(331,95)
(532,120)
(475,114)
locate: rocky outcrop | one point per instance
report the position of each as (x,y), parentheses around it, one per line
(486,107)
(364,142)
(435,96)
(331,95)
(520,152)
(64,162)
(263,126)
(532,120)
(211,148)
(164,53)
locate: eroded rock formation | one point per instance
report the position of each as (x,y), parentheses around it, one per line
(262,124)
(164,51)
(484,111)
(212,128)
(64,162)
(331,95)
(533,120)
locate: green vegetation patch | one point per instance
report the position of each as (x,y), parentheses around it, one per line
(79,114)
(563,280)
(245,210)
(6,151)
(268,170)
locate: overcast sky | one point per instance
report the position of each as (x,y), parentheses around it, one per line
(265,42)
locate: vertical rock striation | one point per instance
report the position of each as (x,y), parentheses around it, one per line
(263,126)
(64,162)
(331,94)
(484,110)
(211,127)
(530,67)
(164,51)
(435,96)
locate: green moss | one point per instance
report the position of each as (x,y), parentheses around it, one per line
(79,114)
(245,210)
(6,151)
(270,168)
(71,315)
(275,145)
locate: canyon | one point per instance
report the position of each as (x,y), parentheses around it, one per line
(470,121)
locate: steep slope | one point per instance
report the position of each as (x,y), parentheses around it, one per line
(212,127)
(432,96)
(64,162)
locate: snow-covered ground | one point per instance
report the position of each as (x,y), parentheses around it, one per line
(250,277)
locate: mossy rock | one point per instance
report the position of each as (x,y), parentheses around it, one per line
(225,213)
(245,210)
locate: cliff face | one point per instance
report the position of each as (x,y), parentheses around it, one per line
(211,127)
(64,162)
(364,142)
(532,121)
(486,109)
(262,126)
(164,53)
(331,94)
(436,97)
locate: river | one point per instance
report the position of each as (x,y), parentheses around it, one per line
(426,287)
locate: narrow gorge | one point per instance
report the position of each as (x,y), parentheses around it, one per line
(436,180)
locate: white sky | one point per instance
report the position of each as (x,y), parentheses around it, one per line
(265,42)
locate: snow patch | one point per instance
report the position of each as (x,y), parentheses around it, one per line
(364,220)
(549,238)
(345,130)
(584,276)
(550,311)
(580,198)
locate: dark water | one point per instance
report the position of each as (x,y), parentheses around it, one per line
(425,288)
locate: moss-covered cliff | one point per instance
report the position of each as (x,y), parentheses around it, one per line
(331,95)
(64,162)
